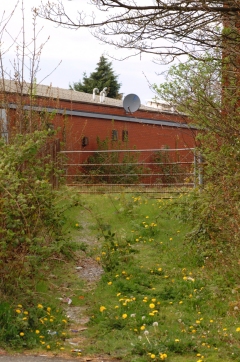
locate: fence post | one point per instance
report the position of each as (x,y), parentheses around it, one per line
(195,169)
(200,171)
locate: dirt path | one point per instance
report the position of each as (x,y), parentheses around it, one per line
(48,358)
(90,271)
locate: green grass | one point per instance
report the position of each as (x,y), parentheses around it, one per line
(160,297)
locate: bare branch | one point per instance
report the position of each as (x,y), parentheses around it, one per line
(190,27)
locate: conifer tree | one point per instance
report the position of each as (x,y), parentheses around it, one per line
(103,76)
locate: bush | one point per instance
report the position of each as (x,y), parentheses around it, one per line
(30,222)
(113,167)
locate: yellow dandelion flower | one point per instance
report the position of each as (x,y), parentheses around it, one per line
(238,329)
(18,311)
(48,346)
(48,309)
(163,356)
(124,316)
(109,283)
(19,305)
(21,334)
(25,312)
(151,305)
(102,308)
(152,356)
(142,328)
(40,306)
(37,331)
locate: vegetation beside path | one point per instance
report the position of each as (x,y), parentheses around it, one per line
(162,297)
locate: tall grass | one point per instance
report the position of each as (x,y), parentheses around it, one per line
(159,299)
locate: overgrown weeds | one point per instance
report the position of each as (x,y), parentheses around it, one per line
(31,225)
(158,298)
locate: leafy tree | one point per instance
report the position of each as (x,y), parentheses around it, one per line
(103,77)
(195,88)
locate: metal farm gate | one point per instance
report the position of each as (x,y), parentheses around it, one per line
(147,170)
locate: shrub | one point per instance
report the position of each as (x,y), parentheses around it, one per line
(113,167)
(30,223)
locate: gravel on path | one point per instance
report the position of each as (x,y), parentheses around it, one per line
(33,358)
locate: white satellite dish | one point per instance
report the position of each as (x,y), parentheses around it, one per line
(131,103)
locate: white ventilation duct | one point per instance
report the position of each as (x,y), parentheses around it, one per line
(103,94)
(95,90)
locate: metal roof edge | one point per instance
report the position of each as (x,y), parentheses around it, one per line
(106,116)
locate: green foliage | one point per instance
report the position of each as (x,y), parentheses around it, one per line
(194,88)
(113,167)
(114,251)
(161,300)
(207,92)
(103,77)
(31,223)
(31,327)
(166,165)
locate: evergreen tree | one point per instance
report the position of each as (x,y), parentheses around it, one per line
(103,76)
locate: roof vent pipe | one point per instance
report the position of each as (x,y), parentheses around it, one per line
(103,94)
(95,90)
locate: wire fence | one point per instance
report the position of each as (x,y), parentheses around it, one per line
(147,170)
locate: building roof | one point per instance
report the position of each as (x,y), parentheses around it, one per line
(40,90)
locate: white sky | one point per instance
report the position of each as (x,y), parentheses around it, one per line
(79,52)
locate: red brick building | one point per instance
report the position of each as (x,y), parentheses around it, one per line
(80,120)
(77,115)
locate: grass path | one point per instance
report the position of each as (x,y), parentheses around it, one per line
(159,298)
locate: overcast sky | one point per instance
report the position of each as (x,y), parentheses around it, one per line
(78,52)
